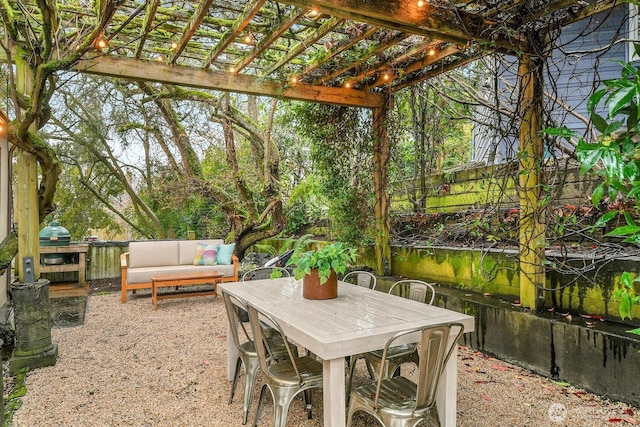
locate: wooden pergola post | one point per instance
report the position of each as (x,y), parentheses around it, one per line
(5,185)
(27,215)
(380,184)
(532,226)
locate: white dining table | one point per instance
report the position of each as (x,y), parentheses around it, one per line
(357,321)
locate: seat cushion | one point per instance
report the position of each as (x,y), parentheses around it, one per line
(143,274)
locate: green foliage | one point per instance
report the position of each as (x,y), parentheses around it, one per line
(341,153)
(626,295)
(335,256)
(615,157)
(305,205)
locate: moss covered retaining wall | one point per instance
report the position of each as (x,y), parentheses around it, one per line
(495,272)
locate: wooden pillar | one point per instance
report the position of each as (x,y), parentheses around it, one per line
(27,218)
(532,226)
(381,187)
(5,215)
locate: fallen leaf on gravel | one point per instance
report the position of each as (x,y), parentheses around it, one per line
(481,381)
(486,397)
(222,336)
(630,421)
(615,420)
(501,368)
(628,411)
(561,383)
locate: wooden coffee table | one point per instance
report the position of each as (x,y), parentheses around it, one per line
(182,279)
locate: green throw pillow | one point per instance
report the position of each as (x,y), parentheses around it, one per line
(224,254)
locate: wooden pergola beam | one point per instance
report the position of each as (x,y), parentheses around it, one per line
(361,60)
(405,15)
(316,35)
(190,29)
(149,16)
(243,20)
(154,71)
(272,36)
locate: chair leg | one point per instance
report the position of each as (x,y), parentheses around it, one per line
(235,381)
(308,402)
(260,403)
(251,367)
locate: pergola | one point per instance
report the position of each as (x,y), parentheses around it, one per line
(349,52)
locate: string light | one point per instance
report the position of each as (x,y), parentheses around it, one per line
(386,77)
(294,80)
(248,39)
(232,69)
(174,45)
(420,3)
(313,12)
(159,58)
(101,44)
(432,52)
(347,85)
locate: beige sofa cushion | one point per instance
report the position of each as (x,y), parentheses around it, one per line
(188,249)
(154,253)
(143,274)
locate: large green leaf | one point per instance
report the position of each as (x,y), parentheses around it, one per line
(620,99)
(597,195)
(624,230)
(595,99)
(604,219)
(599,122)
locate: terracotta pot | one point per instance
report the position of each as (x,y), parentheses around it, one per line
(312,289)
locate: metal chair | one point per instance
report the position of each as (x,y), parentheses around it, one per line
(397,401)
(247,354)
(264,273)
(416,290)
(284,379)
(361,278)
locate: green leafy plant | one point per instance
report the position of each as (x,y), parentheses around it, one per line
(615,156)
(335,256)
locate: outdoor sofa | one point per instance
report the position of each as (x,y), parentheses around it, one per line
(152,257)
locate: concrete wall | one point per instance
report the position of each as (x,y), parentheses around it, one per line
(597,356)
(496,272)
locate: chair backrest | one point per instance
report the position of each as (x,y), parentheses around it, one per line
(434,350)
(258,328)
(264,273)
(361,278)
(416,290)
(232,305)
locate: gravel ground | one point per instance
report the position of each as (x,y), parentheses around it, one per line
(131,366)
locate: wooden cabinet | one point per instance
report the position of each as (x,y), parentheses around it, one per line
(76,260)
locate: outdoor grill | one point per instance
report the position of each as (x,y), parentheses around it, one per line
(54,235)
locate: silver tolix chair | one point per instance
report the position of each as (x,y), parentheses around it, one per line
(399,402)
(284,379)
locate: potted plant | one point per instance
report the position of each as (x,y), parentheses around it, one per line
(318,268)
